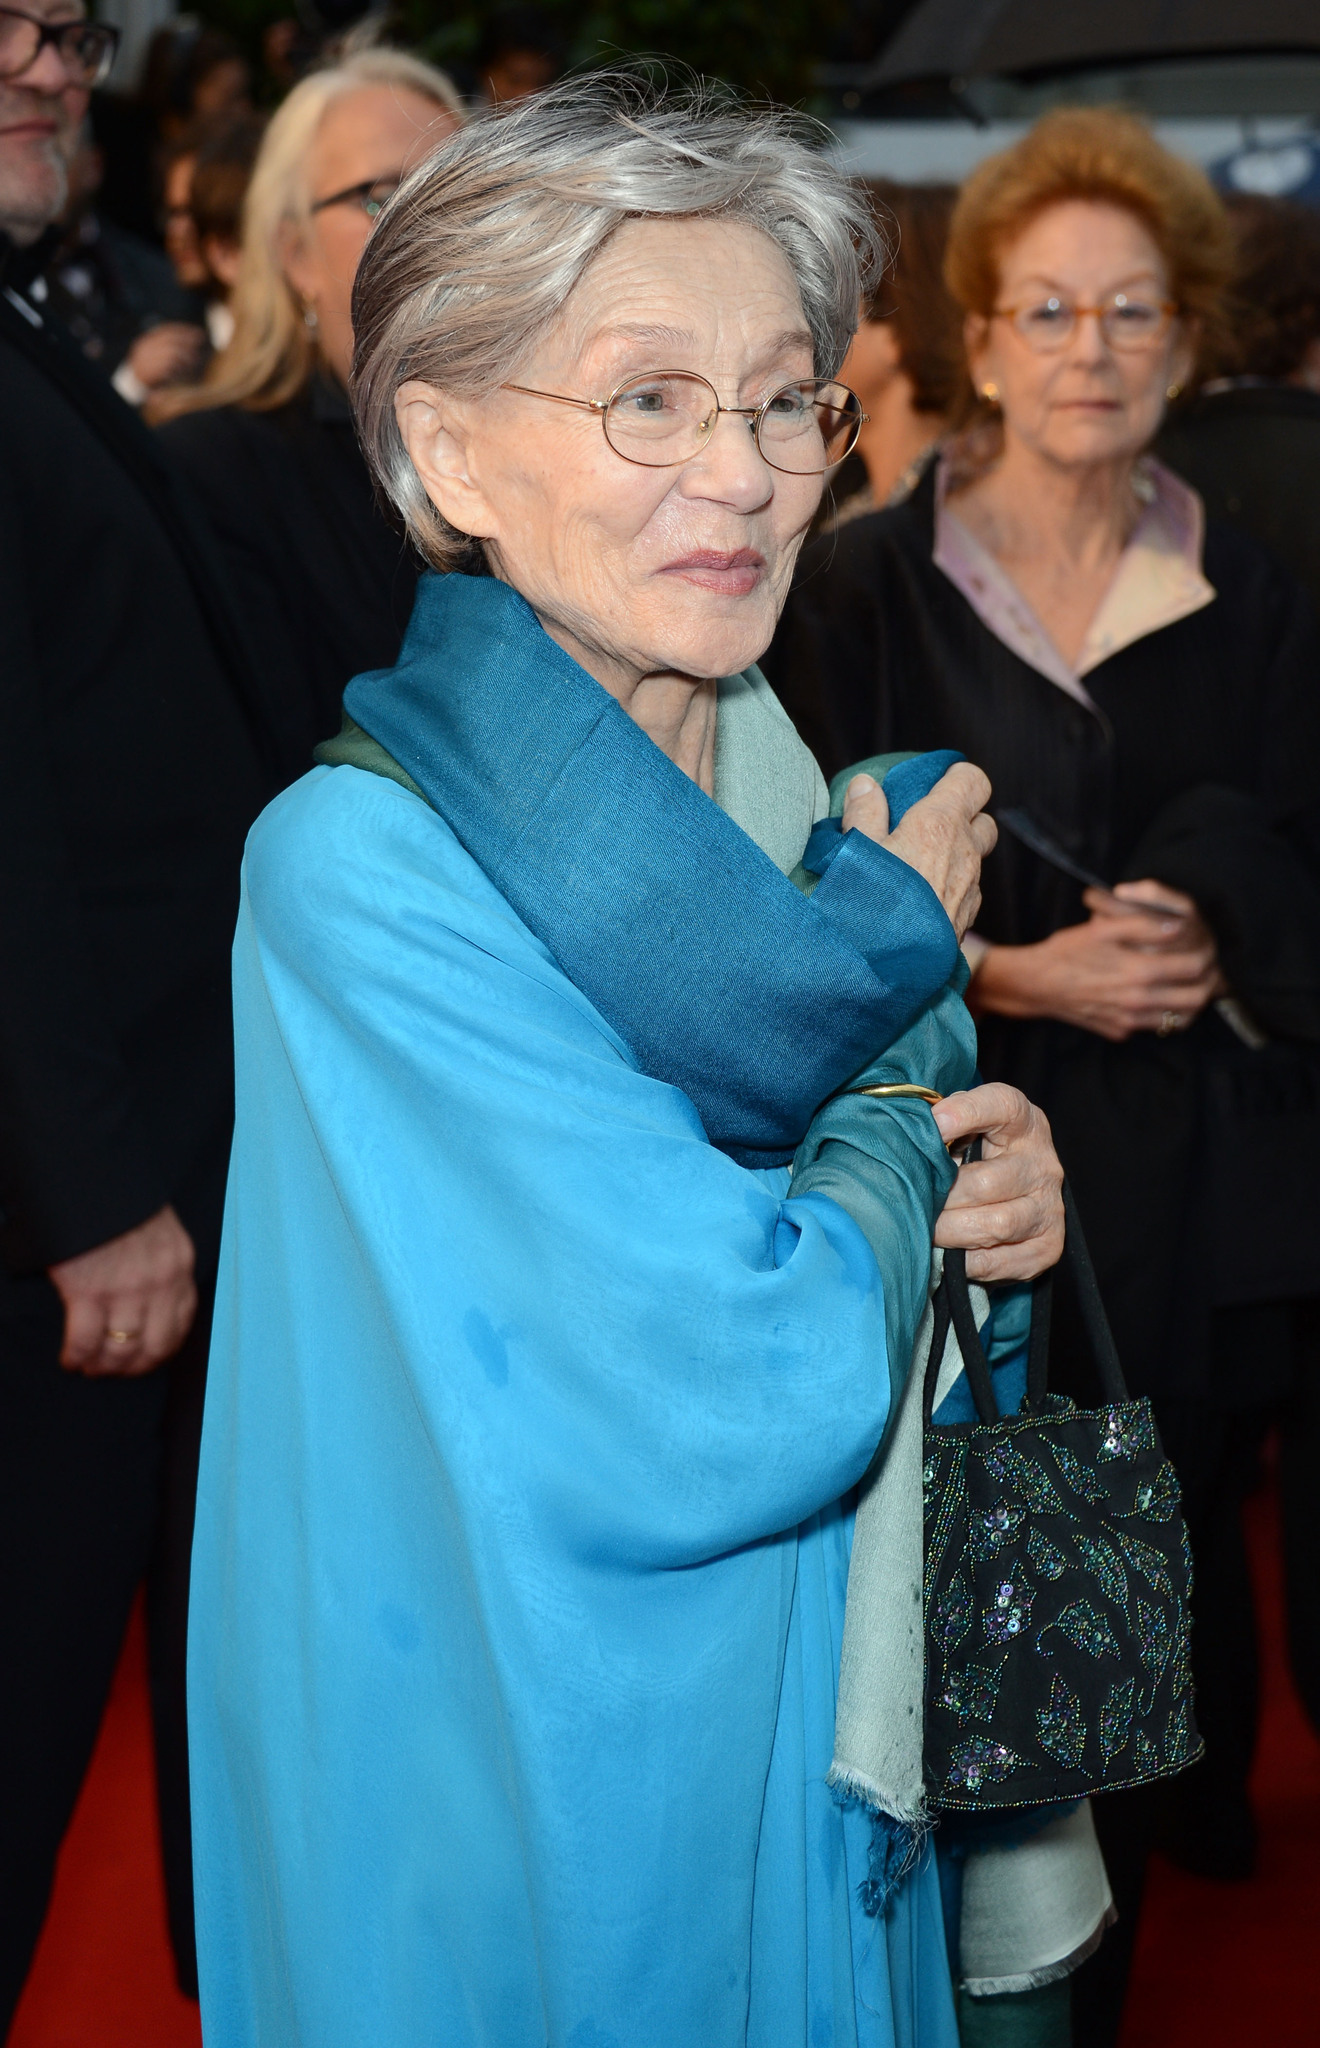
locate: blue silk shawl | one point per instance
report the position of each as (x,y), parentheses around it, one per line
(723,980)
(524,1511)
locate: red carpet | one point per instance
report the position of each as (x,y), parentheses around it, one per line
(103,1977)
(1233,1964)
(1218,1966)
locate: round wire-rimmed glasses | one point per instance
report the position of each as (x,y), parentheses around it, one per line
(86,48)
(1127,321)
(665,417)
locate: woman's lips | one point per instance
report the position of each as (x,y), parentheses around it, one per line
(734,575)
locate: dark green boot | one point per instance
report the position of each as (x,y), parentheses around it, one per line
(1018,2019)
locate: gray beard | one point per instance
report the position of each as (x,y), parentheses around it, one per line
(29,205)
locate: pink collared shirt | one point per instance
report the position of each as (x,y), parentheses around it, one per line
(1158,580)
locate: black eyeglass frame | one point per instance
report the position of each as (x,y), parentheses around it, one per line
(56,33)
(754,414)
(361,195)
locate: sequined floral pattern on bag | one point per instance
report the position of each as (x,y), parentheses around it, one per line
(1057,1580)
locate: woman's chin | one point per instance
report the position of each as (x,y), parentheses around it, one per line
(1085,441)
(719,638)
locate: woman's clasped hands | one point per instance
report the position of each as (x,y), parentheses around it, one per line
(1125,970)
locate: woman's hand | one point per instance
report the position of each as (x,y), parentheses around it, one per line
(945,836)
(1122,971)
(128,1303)
(1006,1208)
(167,353)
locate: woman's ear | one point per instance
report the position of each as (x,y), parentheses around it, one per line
(295,262)
(976,339)
(436,431)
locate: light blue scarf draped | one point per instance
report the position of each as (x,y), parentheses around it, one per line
(524,1514)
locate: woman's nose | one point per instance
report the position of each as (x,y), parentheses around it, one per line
(1089,342)
(731,466)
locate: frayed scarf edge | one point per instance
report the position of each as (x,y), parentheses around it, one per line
(853,1786)
(897,1839)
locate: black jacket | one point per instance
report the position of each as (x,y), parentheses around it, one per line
(1204,745)
(1253,452)
(135,756)
(325,582)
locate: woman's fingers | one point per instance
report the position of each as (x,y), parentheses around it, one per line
(945,837)
(129,1302)
(994,1110)
(1015,1261)
(84,1332)
(1005,1209)
(984,834)
(1157,893)
(965,786)
(866,808)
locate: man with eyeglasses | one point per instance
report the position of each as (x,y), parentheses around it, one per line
(132,764)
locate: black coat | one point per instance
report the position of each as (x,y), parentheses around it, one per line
(1198,765)
(1253,452)
(325,582)
(134,759)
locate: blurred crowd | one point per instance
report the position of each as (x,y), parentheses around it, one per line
(193,557)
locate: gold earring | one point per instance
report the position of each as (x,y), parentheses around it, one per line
(990,393)
(1173,391)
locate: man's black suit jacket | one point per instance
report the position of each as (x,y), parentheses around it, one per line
(133,757)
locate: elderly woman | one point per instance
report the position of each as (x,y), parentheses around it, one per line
(1142,693)
(540,1395)
(266,438)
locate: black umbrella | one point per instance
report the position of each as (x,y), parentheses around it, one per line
(970,38)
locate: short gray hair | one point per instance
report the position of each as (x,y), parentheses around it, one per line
(480,248)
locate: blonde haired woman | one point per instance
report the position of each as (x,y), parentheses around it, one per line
(267,438)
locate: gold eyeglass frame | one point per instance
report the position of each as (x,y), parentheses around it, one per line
(755,414)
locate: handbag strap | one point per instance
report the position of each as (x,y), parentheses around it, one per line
(953,1305)
(1094,1319)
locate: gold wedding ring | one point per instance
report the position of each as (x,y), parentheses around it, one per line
(1171,1021)
(122,1336)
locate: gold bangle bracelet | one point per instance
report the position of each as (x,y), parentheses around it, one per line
(900,1088)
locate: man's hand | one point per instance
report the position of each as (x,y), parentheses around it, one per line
(129,1303)
(945,836)
(1005,1209)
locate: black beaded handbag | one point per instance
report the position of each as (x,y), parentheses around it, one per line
(1057,1577)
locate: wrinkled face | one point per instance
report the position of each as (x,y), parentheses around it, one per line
(373,136)
(1089,402)
(40,115)
(639,571)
